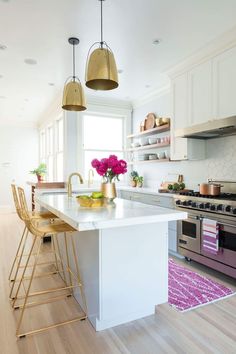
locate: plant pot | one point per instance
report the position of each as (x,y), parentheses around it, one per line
(133,183)
(109,191)
(40,178)
(139,184)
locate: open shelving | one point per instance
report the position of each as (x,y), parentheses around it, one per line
(137,162)
(149,146)
(160,129)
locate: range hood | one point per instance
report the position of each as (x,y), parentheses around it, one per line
(209,130)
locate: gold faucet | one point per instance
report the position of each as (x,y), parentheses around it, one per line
(69,185)
(90,177)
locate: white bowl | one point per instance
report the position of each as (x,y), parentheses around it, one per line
(161,155)
(135,144)
(143,141)
(152,141)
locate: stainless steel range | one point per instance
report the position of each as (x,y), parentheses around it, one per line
(190,232)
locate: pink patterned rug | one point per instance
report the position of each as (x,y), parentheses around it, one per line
(188,290)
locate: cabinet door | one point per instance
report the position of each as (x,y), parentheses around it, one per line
(224,84)
(179,93)
(200,93)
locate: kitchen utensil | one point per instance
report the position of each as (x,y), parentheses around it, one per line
(210,189)
(158,121)
(142,126)
(152,141)
(150,121)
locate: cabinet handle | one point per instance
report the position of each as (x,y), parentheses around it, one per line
(155,200)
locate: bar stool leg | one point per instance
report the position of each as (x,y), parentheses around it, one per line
(17,254)
(23,274)
(54,251)
(28,291)
(68,261)
(61,262)
(81,287)
(18,265)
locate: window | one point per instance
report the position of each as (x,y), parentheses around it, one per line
(51,141)
(102,136)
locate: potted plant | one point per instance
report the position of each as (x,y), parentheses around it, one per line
(133,178)
(40,171)
(139,181)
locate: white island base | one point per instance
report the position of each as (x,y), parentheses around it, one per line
(123,256)
(124,271)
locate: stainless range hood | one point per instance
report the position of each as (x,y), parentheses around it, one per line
(210,130)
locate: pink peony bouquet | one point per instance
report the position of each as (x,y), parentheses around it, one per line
(110,168)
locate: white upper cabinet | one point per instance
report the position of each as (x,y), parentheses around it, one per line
(224,84)
(200,94)
(179,116)
(181,148)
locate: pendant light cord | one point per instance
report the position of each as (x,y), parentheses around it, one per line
(73,61)
(101,25)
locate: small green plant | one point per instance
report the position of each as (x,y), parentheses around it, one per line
(41,170)
(134,175)
(140,179)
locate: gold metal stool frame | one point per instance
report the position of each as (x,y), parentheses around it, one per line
(37,216)
(38,232)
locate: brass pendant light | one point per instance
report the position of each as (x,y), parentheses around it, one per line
(73,95)
(101,71)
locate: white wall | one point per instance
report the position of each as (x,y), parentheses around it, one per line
(220,161)
(18,155)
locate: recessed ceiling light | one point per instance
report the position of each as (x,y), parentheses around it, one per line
(51,84)
(26,100)
(120,71)
(2,97)
(1,76)
(3,47)
(156,41)
(147,86)
(30,61)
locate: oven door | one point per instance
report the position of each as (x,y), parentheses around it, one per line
(227,244)
(189,233)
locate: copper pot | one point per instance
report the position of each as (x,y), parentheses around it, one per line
(210,189)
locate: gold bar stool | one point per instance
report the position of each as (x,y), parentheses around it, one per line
(38,217)
(38,232)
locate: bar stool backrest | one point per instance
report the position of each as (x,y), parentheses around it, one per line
(26,216)
(16,201)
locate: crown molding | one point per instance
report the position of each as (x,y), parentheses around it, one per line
(150,96)
(220,44)
(108,102)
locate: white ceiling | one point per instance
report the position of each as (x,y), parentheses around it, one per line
(40,29)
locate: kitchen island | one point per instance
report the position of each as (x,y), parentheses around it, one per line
(123,256)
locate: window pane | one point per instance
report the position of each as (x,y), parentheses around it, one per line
(60,176)
(103,133)
(42,144)
(60,135)
(50,141)
(90,155)
(50,168)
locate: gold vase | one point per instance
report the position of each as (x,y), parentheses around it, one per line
(109,191)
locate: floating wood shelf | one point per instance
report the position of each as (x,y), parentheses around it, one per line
(147,147)
(148,161)
(160,129)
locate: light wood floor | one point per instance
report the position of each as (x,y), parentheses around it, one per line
(210,329)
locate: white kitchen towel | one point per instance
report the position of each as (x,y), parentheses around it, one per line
(210,236)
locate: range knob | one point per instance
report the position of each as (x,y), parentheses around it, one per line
(185,203)
(201,206)
(220,207)
(189,202)
(194,204)
(178,202)
(228,208)
(234,211)
(207,205)
(212,207)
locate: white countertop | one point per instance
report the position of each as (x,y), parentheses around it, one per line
(124,213)
(84,189)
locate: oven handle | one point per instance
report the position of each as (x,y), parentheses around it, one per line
(224,224)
